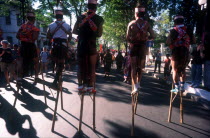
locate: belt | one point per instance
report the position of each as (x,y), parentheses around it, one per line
(58,40)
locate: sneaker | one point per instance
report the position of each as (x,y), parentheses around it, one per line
(80,88)
(91,90)
(134,92)
(175,90)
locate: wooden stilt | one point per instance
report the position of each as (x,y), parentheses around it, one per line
(170,108)
(45,98)
(81,111)
(181,108)
(55,111)
(132,127)
(136,102)
(61,90)
(94,111)
(16,94)
(56,102)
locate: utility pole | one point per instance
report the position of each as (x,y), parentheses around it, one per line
(208,16)
(22,10)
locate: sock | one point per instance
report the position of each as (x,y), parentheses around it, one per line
(182,84)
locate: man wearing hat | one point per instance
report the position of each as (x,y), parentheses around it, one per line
(7,61)
(59,33)
(179,40)
(137,35)
(88,27)
(28,34)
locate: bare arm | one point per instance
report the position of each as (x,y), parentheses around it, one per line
(76,28)
(151,32)
(168,41)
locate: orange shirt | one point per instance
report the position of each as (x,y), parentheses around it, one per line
(26,32)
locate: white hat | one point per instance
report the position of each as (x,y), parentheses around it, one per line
(92,1)
(178,17)
(58,10)
(140,9)
(4,42)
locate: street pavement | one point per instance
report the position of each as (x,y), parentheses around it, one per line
(32,118)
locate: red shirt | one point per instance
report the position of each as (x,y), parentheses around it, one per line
(167,63)
(26,32)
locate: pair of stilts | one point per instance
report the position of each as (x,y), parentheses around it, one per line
(18,85)
(172,98)
(81,94)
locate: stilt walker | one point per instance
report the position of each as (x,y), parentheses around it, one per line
(28,34)
(137,35)
(88,27)
(59,33)
(179,39)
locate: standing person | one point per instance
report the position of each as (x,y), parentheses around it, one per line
(179,40)
(107,63)
(44,57)
(127,68)
(207,60)
(157,61)
(137,35)
(196,70)
(7,61)
(88,27)
(59,33)
(119,61)
(28,34)
(167,67)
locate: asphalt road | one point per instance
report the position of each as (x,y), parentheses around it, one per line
(32,118)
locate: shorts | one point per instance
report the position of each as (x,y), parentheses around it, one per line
(10,67)
(59,51)
(138,50)
(86,47)
(181,56)
(28,50)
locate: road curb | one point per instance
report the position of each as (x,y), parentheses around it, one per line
(196,98)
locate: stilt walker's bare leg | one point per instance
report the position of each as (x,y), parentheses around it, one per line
(170,108)
(181,108)
(81,111)
(16,94)
(55,111)
(45,99)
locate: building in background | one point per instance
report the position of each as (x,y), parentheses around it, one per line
(10,24)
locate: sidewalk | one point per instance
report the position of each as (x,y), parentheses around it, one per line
(199,95)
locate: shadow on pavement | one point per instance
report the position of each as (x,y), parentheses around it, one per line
(14,120)
(33,105)
(162,125)
(119,130)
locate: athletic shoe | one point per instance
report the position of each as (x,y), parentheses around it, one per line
(80,88)
(175,90)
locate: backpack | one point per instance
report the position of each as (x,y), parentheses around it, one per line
(181,37)
(141,34)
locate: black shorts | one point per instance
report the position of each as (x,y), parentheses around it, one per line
(86,47)
(28,50)
(59,51)
(138,50)
(181,56)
